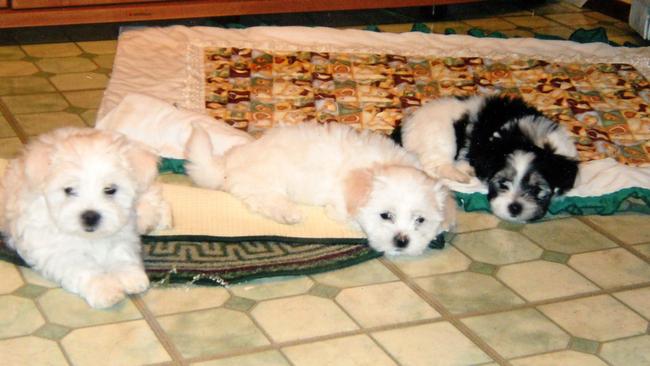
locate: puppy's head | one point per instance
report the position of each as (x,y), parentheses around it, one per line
(90,179)
(399,208)
(522,190)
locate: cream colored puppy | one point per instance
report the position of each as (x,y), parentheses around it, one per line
(73,205)
(360,178)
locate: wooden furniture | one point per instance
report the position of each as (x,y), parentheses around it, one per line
(29,13)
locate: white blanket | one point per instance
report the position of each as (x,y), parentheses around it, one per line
(166,63)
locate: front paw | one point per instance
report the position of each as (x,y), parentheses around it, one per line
(133,281)
(103,291)
(450,172)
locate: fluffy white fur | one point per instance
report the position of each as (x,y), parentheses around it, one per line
(360,178)
(73,206)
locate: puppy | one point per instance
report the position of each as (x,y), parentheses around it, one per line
(72,206)
(360,178)
(524,158)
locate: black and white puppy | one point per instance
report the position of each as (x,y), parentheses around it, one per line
(524,158)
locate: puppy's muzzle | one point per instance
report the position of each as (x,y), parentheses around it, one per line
(401,241)
(90,220)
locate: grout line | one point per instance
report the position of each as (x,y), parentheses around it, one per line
(446,314)
(169,346)
(13,123)
(629,247)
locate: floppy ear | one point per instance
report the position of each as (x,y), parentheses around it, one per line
(143,164)
(443,200)
(37,160)
(356,189)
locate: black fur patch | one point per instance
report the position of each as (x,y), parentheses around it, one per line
(396,135)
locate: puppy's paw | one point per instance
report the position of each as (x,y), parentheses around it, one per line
(103,291)
(448,171)
(166,221)
(287,215)
(133,280)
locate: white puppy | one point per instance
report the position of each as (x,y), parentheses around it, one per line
(360,178)
(73,205)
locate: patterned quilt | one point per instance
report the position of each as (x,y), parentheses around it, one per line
(604,106)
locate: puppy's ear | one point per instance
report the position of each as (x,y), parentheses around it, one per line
(143,164)
(443,199)
(37,160)
(356,189)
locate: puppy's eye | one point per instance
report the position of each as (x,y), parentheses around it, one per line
(503,184)
(69,191)
(110,190)
(386,216)
(419,220)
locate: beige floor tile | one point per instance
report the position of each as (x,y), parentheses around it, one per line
(573,20)
(10,147)
(519,333)
(36,124)
(212,332)
(65,308)
(24,85)
(533,21)
(555,8)
(10,276)
(638,300)
(560,31)
(472,221)
(439,27)
(36,279)
(11,53)
(5,129)
(89,117)
(358,275)
(560,358)
(269,358)
(31,351)
(99,47)
(17,68)
(18,316)
(644,249)
(468,292)
(163,301)
(541,280)
(566,236)
(599,318)
(35,103)
(271,288)
(628,352)
(430,344)
(631,229)
(396,28)
(518,33)
(631,38)
(79,81)
(350,351)
(52,49)
(611,267)
(490,24)
(88,99)
(388,303)
(497,246)
(301,317)
(105,61)
(129,343)
(433,262)
(600,16)
(60,65)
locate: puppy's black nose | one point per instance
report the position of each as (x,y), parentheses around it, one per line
(401,240)
(90,219)
(515,208)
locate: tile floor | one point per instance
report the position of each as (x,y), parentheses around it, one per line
(570,291)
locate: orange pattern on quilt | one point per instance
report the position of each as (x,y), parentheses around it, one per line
(604,106)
